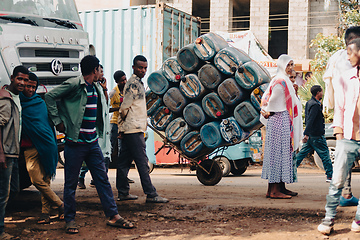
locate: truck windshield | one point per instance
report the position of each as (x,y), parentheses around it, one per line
(48,9)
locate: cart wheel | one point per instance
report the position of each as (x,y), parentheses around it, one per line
(224,165)
(213,177)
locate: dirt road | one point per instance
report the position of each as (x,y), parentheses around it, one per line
(236,208)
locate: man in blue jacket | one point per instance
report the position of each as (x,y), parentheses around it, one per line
(314,132)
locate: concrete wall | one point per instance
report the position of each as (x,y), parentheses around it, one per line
(183,5)
(84,5)
(220,13)
(259,20)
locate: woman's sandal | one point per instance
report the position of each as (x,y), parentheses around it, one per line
(44,219)
(121,223)
(71,228)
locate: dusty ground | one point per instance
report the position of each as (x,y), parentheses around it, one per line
(236,208)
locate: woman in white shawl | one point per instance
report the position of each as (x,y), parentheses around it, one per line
(279,107)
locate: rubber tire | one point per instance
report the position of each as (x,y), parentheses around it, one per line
(331,143)
(241,166)
(215,174)
(225,165)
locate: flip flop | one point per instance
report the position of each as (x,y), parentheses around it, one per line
(121,223)
(44,219)
(71,228)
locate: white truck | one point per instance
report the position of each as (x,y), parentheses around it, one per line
(46,36)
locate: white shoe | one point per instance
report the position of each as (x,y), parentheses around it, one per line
(355,227)
(325,229)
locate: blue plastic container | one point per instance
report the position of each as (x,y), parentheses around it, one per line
(171,68)
(191,87)
(213,106)
(192,145)
(231,130)
(188,59)
(161,118)
(229,59)
(174,100)
(211,136)
(207,45)
(194,115)
(176,130)
(210,76)
(158,83)
(153,102)
(251,75)
(247,116)
(230,92)
(257,94)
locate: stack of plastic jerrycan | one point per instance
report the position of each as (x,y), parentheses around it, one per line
(194,115)
(176,130)
(229,59)
(251,75)
(211,136)
(192,145)
(188,59)
(171,68)
(161,118)
(247,116)
(231,130)
(153,102)
(256,95)
(230,92)
(158,83)
(213,106)
(174,100)
(210,76)
(191,87)
(207,45)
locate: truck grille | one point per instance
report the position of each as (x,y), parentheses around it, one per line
(52,81)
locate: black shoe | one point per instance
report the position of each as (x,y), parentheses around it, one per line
(130,180)
(92,184)
(81,183)
(127,197)
(157,199)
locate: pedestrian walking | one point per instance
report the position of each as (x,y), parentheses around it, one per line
(279,107)
(10,113)
(314,138)
(134,121)
(80,116)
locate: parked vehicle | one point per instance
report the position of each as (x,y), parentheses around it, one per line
(235,159)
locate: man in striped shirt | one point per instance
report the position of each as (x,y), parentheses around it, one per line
(79,116)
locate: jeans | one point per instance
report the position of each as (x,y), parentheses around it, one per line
(5,178)
(84,169)
(317,143)
(133,148)
(15,180)
(113,136)
(91,153)
(346,153)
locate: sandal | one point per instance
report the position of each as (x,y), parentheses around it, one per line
(71,228)
(121,223)
(61,212)
(44,219)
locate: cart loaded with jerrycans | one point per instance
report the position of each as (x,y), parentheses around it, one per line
(205,101)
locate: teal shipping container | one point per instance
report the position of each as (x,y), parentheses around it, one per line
(155,31)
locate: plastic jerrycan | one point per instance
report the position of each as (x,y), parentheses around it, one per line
(176,130)
(251,74)
(192,145)
(230,92)
(158,83)
(229,59)
(213,106)
(247,116)
(191,87)
(194,115)
(256,95)
(174,100)
(210,76)
(211,136)
(161,118)
(172,70)
(231,130)
(207,45)
(153,102)
(188,60)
